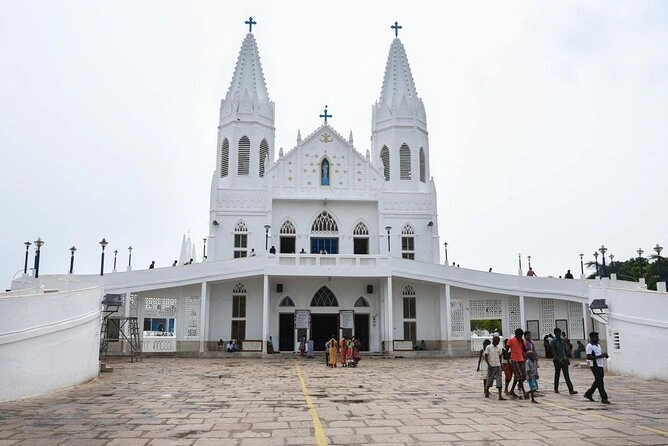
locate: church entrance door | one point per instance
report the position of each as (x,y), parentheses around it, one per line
(362,330)
(286,332)
(323,326)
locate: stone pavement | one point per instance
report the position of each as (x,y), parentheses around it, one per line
(295,401)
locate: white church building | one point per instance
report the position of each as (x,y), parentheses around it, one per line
(326,240)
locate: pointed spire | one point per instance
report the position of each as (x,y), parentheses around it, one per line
(398,81)
(299,136)
(280,152)
(248,80)
(350,138)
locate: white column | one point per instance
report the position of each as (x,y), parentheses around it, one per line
(203,317)
(523,321)
(389,315)
(265,313)
(445,313)
(126,314)
(586,320)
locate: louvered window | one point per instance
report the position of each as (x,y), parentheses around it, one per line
(405,162)
(423,173)
(325,223)
(240,240)
(410,314)
(225,158)
(408,243)
(264,156)
(244,156)
(238,328)
(385,158)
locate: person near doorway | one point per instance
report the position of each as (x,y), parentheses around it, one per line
(356,350)
(344,350)
(302,346)
(333,351)
(310,347)
(270,346)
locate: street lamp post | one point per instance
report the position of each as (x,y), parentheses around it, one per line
(529,260)
(38,243)
(25,266)
(266,236)
(446,252)
(603,250)
(582,266)
(519,260)
(658,250)
(640,251)
(204,254)
(596,261)
(388,229)
(104,244)
(72,250)
(115,255)
(129,258)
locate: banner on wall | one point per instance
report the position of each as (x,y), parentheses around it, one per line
(347,319)
(302,319)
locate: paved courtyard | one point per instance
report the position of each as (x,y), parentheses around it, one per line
(296,401)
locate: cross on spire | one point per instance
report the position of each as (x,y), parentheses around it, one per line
(396,27)
(250,24)
(325,115)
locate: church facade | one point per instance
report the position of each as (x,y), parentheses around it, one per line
(325,240)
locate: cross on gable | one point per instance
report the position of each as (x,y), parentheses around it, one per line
(250,24)
(396,27)
(325,115)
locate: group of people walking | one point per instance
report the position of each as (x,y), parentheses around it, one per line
(517,360)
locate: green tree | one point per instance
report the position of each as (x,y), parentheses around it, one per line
(630,270)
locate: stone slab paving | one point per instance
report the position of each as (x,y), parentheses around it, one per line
(285,400)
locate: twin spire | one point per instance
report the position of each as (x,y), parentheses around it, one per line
(398,94)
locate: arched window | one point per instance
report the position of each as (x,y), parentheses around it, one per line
(238,329)
(408,242)
(410,314)
(240,240)
(385,158)
(225,158)
(288,238)
(361,302)
(405,162)
(324,298)
(423,173)
(286,302)
(325,223)
(244,156)
(324,172)
(360,239)
(264,156)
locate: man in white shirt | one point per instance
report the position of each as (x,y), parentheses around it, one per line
(596,359)
(493,356)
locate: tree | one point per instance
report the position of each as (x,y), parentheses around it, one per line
(629,270)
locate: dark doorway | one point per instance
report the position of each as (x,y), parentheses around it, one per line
(323,326)
(287,245)
(362,330)
(361,246)
(286,332)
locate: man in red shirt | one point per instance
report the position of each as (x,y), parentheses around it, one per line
(517,351)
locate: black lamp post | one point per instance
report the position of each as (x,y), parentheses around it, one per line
(115,254)
(388,229)
(582,266)
(104,244)
(38,243)
(72,250)
(266,236)
(25,266)
(529,260)
(658,250)
(446,252)
(596,261)
(603,250)
(129,258)
(519,259)
(640,251)
(204,254)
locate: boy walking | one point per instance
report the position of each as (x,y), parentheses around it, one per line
(493,357)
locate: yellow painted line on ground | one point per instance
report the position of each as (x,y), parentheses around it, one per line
(320,438)
(606,418)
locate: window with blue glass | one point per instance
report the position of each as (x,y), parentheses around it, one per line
(324,172)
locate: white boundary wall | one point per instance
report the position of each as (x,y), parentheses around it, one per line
(48,341)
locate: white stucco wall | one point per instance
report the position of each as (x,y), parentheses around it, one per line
(48,341)
(639,321)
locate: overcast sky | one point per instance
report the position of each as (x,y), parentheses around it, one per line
(547,120)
